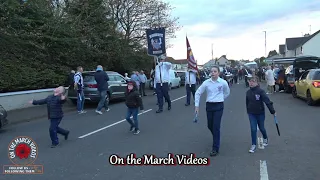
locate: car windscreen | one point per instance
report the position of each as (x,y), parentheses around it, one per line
(316,76)
(88,77)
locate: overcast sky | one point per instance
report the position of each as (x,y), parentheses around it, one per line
(235,27)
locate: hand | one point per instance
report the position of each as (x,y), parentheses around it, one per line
(196,110)
(63,97)
(31,102)
(274,114)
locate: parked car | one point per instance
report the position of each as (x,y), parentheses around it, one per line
(308,86)
(174,81)
(3,117)
(117,87)
(182,75)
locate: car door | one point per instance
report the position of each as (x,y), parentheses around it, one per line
(301,84)
(122,85)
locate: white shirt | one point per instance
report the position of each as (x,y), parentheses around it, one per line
(217,91)
(164,67)
(78,79)
(193,77)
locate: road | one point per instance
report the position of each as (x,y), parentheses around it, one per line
(293,156)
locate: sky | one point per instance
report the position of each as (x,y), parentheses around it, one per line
(235,28)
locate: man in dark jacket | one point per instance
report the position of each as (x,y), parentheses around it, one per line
(55,114)
(133,102)
(255,100)
(102,79)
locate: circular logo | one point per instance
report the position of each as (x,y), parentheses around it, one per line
(22,151)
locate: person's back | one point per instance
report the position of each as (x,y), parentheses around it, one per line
(102,79)
(54,106)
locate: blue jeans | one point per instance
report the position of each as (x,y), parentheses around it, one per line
(103,102)
(134,113)
(54,130)
(257,119)
(80,101)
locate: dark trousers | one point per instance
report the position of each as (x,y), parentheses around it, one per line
(104,100)
(54,130)
(214,115)
(134,113)
(235,79)
(190,89)
(142,89)
(163,92)
(246,81)
(257,119)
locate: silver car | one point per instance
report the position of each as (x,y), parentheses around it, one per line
(117,87)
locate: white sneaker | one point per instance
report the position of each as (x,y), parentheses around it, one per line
(252,149)
(82,112)
(265,142)
(99,112)
(107,110)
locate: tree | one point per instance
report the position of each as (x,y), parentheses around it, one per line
(272,53)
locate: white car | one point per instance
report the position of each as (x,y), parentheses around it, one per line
(174,81)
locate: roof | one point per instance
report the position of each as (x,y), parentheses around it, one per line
(224,56)
(178,61)
(282,48)
(293,43)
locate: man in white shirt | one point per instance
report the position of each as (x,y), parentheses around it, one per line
(162,83)
(217,91)
(79,86)
(190,83)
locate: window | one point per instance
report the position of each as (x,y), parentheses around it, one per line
(316,75)
(88,78)
(112,78)
(304,75)
(118,78)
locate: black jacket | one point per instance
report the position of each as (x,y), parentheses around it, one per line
(54,106)
(102,79)
(255,99)
(133,99)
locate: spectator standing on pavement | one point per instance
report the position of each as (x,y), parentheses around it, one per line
(135,77)
(71,78)
(190,83)
(143,79)
(217,91)
(270,80)
(79,86)
(133,102)
(102,79)
(126,76)
(55,113)
(255,98)
(162,83)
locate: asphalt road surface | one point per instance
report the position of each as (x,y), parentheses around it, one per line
(295,155)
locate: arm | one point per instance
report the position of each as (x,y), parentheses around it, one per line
(247,101)
(139,100)
(106,76)
(76,80)
(267,101)
(40,102)
(198,94)
(226,90)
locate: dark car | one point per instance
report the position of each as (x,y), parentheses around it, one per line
(117,87)
(3,117)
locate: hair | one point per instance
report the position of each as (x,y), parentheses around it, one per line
(217,67)
(78,68)
(254,78)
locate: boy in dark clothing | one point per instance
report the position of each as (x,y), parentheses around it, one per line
(133,102)
(55,114)
(256,111)
(102,79)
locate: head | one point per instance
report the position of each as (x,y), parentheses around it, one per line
(269,67)
(79,69)
(215,72)
(131,86)
(253,82)
(99,68)
(73,71)
(142,72)
(59,90)
(125,74)
(136,72)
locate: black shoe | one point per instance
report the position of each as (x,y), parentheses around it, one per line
(54,145)
(159,111)
(66,136)
(187,104)
(169,108)
(136,132)
(213,153)
(131,128)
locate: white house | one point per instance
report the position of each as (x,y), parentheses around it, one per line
(223,61)
(307,45)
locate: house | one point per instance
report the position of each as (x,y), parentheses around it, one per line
(307,45)
(178,64)
(223,61)
(282,50)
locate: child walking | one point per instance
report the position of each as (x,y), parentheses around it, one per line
(55,114)
(133,102)
(255,99)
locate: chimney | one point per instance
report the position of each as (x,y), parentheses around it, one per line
(306,35)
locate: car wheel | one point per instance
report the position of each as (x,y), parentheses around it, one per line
(179,85)
(294,92)
(310,101)
(287,89)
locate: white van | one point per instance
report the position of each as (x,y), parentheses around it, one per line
(174,81)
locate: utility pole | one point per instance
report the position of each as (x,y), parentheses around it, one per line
(212,52)
(309,29)
(265,43)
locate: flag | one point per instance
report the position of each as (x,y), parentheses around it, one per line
(192,64)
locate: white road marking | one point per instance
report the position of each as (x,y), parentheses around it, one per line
(123,120)
(106,127)
(263,170)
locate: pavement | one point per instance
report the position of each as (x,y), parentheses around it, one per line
(295,155)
